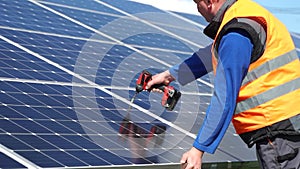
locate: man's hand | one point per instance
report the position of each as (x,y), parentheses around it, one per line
(161,78)
(192,159)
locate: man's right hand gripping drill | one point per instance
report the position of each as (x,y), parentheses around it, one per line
(161,78)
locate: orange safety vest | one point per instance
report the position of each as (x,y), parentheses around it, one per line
(270,92)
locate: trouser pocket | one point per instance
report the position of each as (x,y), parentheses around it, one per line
(281,152)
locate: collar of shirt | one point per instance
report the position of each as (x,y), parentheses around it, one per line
(213,27)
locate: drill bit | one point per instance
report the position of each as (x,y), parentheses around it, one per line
(126,122)
(132,100)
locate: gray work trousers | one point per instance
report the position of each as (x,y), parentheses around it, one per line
(281,152)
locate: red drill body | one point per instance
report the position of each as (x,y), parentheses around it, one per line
(170,96)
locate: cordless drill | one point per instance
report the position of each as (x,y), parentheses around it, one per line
(169,100)
(170,94)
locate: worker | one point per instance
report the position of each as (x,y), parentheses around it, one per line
(256,83)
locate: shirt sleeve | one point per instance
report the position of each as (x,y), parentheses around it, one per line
(234,59)
(197,65)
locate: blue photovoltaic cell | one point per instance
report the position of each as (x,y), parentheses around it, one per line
(157,41)
(15,63)
(91,19)
(296,39)
(49,42)
(26,15)
(7,162)
(55,119)
(84,5)
(193,42)
(132,7)
(40,158)
(195,18)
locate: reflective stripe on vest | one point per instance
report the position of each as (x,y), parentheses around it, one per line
(267,96)
(270,66)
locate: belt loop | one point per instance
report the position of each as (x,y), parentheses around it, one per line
(269,132)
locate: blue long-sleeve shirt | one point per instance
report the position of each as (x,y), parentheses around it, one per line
(234,59)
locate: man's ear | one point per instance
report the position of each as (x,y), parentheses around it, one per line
(209,4)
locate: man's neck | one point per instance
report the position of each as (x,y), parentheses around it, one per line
(213,26)
(222,9)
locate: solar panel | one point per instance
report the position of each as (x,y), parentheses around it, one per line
(68,72)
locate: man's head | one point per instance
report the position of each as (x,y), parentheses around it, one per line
(209,8)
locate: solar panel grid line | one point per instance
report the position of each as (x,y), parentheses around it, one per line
(39,43)
(81,148)
(91,39)
(37,81)
(137,155)
(297,35)
(57,147)
(23,67)
(38,68)
(168,142)
(160,49)
(136,145)
(44,20)
(59,124)
(173,165)
(36,106)
(39,56)
(32,107)
(37,122)
(17,157)
(133,89)
(56,35)
(77,8)
(13,95)
(29,93)
(33,148)
(142,128)
(185,19)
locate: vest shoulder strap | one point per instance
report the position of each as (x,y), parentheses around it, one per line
(256,31)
